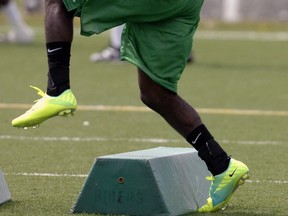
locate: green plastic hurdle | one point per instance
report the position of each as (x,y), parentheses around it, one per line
(157,181)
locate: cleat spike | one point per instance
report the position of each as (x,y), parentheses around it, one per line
(223,208)
(65,113)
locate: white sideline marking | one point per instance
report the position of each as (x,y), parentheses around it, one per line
(88,139)
(85,176)
(219,111)
(147,140)
(268,181)
(227,35)
(48,174)
(238,35)
(215,35)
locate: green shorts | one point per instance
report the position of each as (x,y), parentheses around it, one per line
(157,37)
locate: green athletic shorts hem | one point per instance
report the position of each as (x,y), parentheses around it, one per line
(158,35)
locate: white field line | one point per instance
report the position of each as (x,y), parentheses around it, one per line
(225,35)
(85,176)
(212,35)
(140,140)
(232,35)
(48,174)
(215,111)
(241,35)
(215,35)
(88,139)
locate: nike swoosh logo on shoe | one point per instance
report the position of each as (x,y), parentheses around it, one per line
(232,173)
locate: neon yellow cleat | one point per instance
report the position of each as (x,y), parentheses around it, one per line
(224,185)
(45,108)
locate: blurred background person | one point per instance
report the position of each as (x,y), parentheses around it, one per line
(20,32)
(33,6)
(112,51)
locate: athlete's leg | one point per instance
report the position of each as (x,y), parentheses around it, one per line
(185,120)
(58,100)
(59,36)
(179,114)
(58,22)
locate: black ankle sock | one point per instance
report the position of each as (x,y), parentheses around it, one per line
(209,150)
(58,62)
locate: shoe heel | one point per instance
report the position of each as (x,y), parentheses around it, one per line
(243,179)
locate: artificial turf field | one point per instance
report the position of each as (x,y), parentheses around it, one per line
(239,87)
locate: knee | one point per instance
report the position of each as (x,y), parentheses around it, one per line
(54,4)
(152,94)
(149,98)
(53,1)
(156,99)
(57,7)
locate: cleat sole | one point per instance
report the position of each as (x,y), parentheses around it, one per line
(66,113)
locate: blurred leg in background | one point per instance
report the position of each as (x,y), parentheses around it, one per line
(33,6)
(20,32)
(112,51)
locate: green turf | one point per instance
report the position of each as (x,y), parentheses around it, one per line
(248,75)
